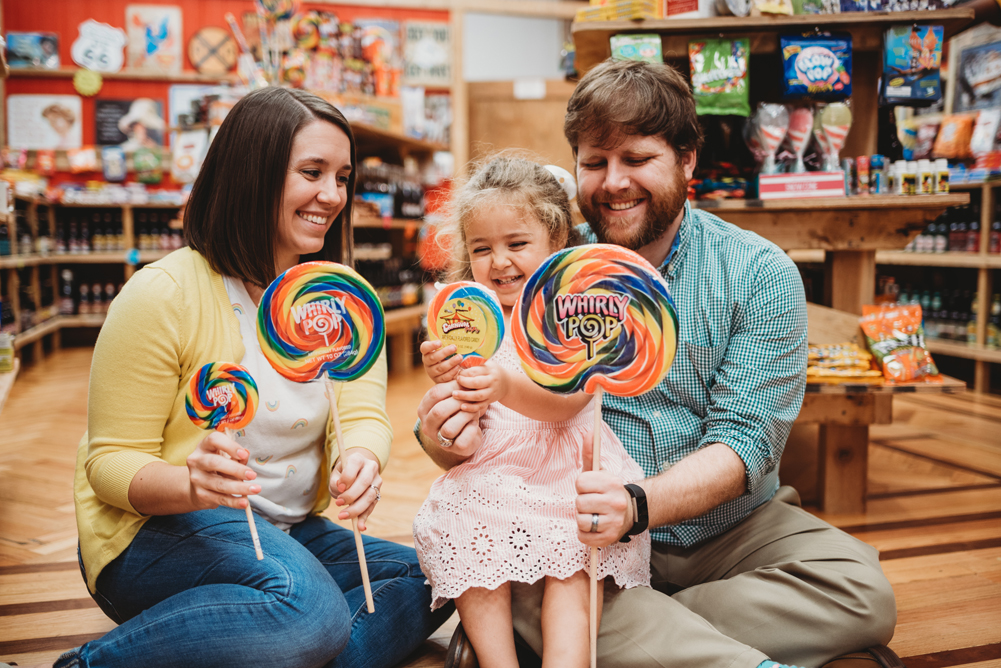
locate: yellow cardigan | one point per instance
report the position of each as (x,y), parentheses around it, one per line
(171,318)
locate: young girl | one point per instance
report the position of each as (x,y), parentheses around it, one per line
(507,513)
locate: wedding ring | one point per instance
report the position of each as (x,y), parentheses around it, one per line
(594,522)
(378,494)
(445,442)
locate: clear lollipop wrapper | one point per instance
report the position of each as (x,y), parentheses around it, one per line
(830,127)
(798,136)
(769,127)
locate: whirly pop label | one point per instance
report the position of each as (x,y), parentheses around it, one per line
(593,319)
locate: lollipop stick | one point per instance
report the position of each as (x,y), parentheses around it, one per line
(595,466)
(354,521)
(250,520)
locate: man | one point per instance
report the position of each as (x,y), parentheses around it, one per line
(741,575)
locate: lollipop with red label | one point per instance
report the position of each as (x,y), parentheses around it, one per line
(596,315)
(468,316)
(323,320)
(223,397)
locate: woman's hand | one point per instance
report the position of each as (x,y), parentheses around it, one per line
(482,385)
(354,484)
(216,471)
(440,363)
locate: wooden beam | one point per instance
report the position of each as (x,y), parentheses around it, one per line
(459,136)
(846,410)
(850,279)
(554,9)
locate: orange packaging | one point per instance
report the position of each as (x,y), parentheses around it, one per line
(897,341)
(954,136)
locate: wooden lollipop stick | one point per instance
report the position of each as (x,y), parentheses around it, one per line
(250,520)
(595,466)
(354,520)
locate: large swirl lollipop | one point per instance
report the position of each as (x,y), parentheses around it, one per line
(596,318)
(223,397)
(469,316)
(323,320)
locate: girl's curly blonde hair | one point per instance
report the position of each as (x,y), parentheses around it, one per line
(507,180)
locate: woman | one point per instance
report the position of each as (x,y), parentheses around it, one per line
(164,544)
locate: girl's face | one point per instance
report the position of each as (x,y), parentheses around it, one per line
(506,244)
(316,190)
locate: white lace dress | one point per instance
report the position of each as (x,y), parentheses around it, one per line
(507,514)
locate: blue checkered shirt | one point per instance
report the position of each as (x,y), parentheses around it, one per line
(740,371)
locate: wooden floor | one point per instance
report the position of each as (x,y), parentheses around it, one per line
(934,512)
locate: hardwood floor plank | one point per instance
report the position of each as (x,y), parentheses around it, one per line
(984,655)
(63,623)
(896,539)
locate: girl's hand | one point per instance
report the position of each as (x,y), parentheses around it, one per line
(216,471)
(354,483)
(482,385)
(440,363)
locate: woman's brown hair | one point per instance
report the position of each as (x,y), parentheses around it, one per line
(232,215)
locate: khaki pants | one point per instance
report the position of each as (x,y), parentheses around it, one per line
(781,585)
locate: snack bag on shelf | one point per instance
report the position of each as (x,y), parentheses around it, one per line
(984,132)
(817,66)
(719,76)
(897,340)
(912,56)
(953,139)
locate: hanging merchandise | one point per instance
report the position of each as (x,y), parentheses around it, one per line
(719,76)
(800,127)
(953,139)
(99,47)
(768,128)
(985,131)
(45,161)
(186,159)
(830,128)
(113,163)
(912,56)
(212,51)
(817,66)
(82,159)
(88,82)
(148,165)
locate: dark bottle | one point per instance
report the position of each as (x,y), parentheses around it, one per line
(4,238)
(994,246)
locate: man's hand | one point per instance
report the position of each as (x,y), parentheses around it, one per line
(604,494)
(440,413)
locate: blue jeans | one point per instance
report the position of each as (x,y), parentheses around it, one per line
(189,591)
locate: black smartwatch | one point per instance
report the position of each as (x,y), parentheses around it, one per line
(640,514)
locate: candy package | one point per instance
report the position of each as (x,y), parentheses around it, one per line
(818,66)
(953,139)
(985,131)
(645,48)
(896,338)
(719,76)
(912,56)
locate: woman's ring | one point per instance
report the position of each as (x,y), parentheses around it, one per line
(594,522)
(378,494)
(445,442)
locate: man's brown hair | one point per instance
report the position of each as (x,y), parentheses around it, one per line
(633,98)
(233,213)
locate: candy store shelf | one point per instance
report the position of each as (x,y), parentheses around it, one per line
(948,385)
(876,222)
(114,257)
(386,224)
(866,28)
(971,351)
(33,334)
(404,314)
(7,382)
(947,259)
(373,140)
(125,74)
(85,320)
(19,261)
(974,185)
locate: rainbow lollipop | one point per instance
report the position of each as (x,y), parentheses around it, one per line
(595,318)
(223,396)
(592,316)
(469,316)
(321,318)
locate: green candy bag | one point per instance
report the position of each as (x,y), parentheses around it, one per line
(719,76)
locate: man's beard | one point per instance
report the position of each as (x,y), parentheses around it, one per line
(663,208)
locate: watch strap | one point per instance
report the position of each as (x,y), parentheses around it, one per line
(641,516)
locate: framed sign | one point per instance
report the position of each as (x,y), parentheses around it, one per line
(427,57)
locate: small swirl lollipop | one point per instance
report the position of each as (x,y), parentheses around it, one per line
(469,316)
(223,396)
(595,316)
(321,318)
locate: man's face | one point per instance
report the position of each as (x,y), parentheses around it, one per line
(633,189)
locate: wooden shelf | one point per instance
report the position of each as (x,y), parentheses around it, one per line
(7,382)
(976,185)
(969,351)
(866,28)
(373,139)
(948,259)
(125,74)
(86,320)
(369,222)
(38,331)
(876,222)
(947,385)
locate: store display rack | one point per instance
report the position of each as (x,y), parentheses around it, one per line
(7,382)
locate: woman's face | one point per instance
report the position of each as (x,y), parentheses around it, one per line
(316,190)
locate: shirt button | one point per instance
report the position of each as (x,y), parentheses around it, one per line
(656,414)
(664,466)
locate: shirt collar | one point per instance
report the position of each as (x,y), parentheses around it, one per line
(669,266)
